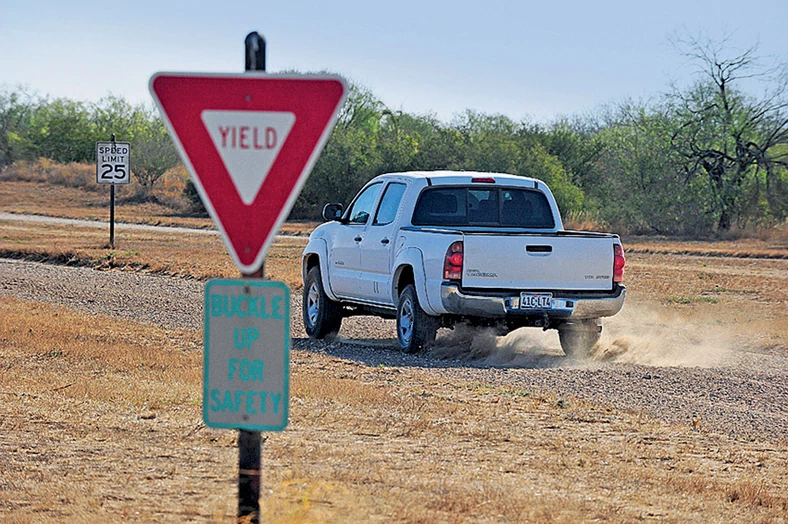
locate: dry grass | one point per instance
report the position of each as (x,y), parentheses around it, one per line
(746,295)
(739,301)
(101,421)
(773,247)
(68,202)
(46,171)
(169,189)
(582,221)
(197,255)
(70,191)
(100,418)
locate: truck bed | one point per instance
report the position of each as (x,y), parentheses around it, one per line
(533,261)
(539,262)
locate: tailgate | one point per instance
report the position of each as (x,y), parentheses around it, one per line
(539,262)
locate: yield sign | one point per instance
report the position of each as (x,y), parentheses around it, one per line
(250,141)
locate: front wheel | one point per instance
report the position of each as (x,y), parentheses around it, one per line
(415,328)
(322,316)
(577,338)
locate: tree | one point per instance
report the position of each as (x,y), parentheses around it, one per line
(114,114)
(497,144)
(62,130)
(732,139)
(638,181)
(362,109)
(578,150)
(15,109)
(350,158)
(489,143)
(152,154)
(399,139)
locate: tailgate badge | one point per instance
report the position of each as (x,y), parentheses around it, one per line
(480,274)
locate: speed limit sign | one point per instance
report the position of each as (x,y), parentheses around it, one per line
(112,163)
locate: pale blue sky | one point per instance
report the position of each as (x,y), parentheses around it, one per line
(523,59)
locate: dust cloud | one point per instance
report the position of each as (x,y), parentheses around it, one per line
(640,334)
(654,336)
(529,347)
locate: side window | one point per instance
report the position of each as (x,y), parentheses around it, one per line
(362,207)
(389,204)
(447,206)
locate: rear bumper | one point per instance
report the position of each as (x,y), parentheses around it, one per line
(564,305)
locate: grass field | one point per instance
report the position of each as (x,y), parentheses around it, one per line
(191,255)
(103,417)
(40,197)
(106,425)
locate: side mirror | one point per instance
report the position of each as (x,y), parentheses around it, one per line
(332,212)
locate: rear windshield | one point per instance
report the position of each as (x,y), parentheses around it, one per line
(475,206)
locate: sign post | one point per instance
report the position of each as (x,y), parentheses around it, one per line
(250,441)
(246,370)
(249,141)
(112,167)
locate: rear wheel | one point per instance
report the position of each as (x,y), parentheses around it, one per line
(415,328)
(577,338)
(322,316)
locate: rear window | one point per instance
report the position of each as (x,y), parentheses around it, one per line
(474,206)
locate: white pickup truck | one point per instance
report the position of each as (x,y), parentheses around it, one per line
(435,248)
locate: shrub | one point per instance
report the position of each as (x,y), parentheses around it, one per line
(193,198)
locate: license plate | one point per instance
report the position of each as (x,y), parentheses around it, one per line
(536,300)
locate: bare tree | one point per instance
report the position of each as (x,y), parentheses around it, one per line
(733,139)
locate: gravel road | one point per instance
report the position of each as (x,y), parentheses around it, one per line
(745,398)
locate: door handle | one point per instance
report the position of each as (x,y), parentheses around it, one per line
(539,249)
(384,240)
(357,239)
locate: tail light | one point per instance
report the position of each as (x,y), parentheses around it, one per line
(618,263)
(452,264)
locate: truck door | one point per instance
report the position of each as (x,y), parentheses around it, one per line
(345,256)
(377,247)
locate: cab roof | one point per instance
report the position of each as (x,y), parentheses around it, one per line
(464,177)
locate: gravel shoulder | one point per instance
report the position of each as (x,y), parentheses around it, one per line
(744,397)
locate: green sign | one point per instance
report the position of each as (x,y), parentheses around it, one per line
(247,354)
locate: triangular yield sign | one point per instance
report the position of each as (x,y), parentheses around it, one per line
(249,141)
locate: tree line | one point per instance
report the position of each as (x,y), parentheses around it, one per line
(64,130)
(706,156)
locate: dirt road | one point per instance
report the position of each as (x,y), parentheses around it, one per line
(102,224)
(739,389)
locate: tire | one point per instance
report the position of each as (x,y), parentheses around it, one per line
(415,328)
(322,316)
(578,338)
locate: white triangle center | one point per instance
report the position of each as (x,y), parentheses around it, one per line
(248,142)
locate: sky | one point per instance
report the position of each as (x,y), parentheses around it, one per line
(527,60)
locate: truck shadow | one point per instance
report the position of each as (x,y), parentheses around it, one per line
(443,354)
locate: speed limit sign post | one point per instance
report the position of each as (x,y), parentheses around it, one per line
(112,168)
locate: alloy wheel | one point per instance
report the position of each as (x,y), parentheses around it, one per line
(312,303)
